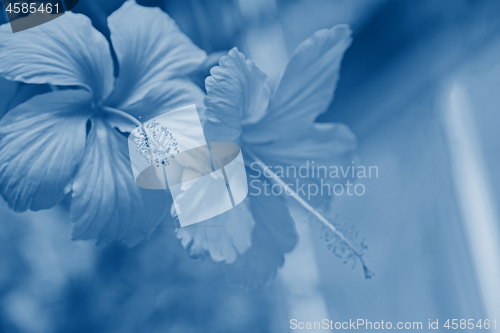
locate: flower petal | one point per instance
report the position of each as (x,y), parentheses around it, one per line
(223,237)
(41,143)
(167,96)
(306,87)
(106,202)
(66,52)
(17,93)
(8,89)
(251,240)
(326,144)
(274,235)
(236,96)
(150,49)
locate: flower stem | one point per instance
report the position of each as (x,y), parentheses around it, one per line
(312,210)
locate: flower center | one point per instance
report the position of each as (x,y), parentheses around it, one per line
(155,143)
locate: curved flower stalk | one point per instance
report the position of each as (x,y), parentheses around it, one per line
(71,140)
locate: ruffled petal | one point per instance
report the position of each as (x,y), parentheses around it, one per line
(107,204)
(237,95)
(306,87)
(223,237)
(151,50)
(66,52)
(250,240)
(41,143)
(274,235)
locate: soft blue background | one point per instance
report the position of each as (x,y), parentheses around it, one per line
(403,56)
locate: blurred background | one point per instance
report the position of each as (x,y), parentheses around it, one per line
(419,87)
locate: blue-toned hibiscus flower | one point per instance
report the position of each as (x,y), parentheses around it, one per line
(67,140)
(279,129)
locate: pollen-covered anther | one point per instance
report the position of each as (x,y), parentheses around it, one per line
(155,143)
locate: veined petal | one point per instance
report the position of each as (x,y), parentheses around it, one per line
(150,49)
(107,204)
(274,235)
(66,52)
(237,95)
(326,144)
(41,143)
(167,96)
(223,237)
(306,87)
(17,93)
(8,89)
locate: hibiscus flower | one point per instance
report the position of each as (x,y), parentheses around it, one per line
(67,140)
(276,129)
